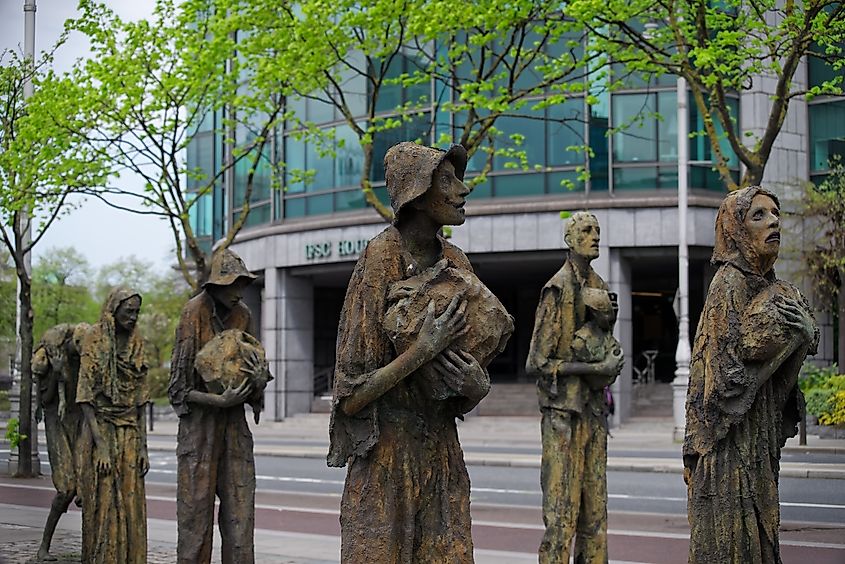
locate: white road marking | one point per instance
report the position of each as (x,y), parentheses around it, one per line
(298,480)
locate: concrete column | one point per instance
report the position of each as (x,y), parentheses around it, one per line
(273,406)
(296,338)
(288,337)
(619,281)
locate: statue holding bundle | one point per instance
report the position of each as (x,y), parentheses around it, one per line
(416,332)
(217,367)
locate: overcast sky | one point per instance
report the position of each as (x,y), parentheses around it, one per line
(101,233)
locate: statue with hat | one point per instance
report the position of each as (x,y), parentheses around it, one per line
(574,356)
(55,365)
(416,332)
(216,367)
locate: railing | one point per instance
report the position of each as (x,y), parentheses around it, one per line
(644,366)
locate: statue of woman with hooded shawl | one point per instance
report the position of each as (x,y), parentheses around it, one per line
(112,392)
(743,400)
(406,497)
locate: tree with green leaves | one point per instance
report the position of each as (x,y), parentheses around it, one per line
(353,60)
(824,208)
(43,159)
(502,59)
(381,65)
(7,310)
(721,48)
(192,72)
(61,290)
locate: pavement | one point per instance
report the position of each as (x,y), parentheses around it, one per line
(642,444)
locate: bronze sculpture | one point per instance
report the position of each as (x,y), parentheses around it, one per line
(410,330)
(112,393)
(743,400)
(214,444)
(574,356)
(55,364)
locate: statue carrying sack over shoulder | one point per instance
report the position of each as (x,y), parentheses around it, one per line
(55,365)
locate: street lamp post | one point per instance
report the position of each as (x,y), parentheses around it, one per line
(24,226)
(683,353)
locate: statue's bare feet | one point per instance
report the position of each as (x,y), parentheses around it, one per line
(45,556)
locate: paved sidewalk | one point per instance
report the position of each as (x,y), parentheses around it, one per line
(642,444)
(21,528)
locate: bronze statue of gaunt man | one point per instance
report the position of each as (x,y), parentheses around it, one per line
(214,448)
(574,356)
(743,400)
(55,365)
(416,332)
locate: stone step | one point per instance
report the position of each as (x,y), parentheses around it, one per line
(321,404)
(509,399)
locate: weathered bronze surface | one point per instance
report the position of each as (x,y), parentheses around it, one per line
(112,393)
(55,364)
(574,356)
(214,445)
(416,330)
(743,400)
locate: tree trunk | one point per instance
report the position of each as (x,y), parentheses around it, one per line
(753,176)
(25,429)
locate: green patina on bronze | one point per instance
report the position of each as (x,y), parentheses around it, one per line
(410,329)
(55,364)
(112,392)
(574,356)
(743,400)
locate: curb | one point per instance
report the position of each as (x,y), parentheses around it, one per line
(471,459)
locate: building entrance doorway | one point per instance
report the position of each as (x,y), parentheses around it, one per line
(654,323)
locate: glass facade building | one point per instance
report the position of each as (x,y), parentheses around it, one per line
(303,238)
(558,140)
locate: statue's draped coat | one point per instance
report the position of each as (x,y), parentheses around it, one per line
(113,381)
(406,497)
(734,430)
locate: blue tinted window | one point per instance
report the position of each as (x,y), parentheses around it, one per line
(637,139)
(827,133)
(294,207)
(566,127)
(508,185)
(349,200)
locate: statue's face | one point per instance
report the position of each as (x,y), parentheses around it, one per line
(126,315)
(762,223)
(444,201)
(229,295)
(583,238)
